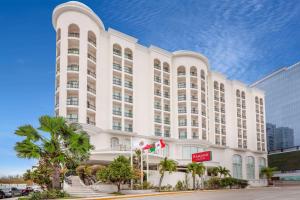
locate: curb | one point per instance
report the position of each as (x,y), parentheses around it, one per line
(133,195)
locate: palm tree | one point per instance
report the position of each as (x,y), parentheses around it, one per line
(223,171)
(268,172)
(166,165)
(63,142)
(196,168)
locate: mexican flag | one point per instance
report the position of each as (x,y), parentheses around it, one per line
(157,145)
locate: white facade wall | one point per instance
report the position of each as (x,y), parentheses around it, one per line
(95,111)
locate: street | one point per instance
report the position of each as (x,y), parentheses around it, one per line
(274,193)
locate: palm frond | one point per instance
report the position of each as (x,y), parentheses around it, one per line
(29,132)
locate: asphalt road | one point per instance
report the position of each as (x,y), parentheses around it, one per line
(272,193)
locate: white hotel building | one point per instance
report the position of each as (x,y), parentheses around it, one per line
(118,90)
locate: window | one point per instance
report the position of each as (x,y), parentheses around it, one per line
(181,71)
(250,167)
(187,151)
(261,164)
(237,166)
(114,142)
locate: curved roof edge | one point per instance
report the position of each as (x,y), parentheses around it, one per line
(191,54)
(75,6)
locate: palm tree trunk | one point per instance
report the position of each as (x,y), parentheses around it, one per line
(160,181)
(194,180)
(119,187)
(56,177)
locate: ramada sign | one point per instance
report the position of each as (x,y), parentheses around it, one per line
(201,156)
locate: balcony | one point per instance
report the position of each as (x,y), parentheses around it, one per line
(181,110)
(73,84)
(128,84)
(167,121)
(195,136)
(92,41)
(157,93)
(182,98)
(194,86)
(128,99)
(194,98)
(75,35)
(128,114)
(157,106)
(72,119)
(117,112)
(128,129)
(91,57)
(91,73)
(181,74)
(117,97)
(91,106)
(182,135)
(193,74)
(158,133)
(166,82)
(73,67)
(117,127)
(195,124)
(117,52)
(157,66)
(73,51)
(157,120)
(166,95)
(167,108)
(128,56)
(117,81)
(128,70)
(181,85)
(166,69)
(117,67)
(72,101)
(182,123)
(157,79)
(167,134)
(194,111)
(90,89)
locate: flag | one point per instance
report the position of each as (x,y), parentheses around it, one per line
(158,145)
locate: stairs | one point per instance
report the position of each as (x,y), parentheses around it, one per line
(78,189)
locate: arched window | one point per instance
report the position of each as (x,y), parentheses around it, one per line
(243,95)
(222,88)
(202,74)
(250,167)
(256,100)
(261,164)
(58,34)
(157,64)
(117,50)
(261,101)
(216,85)
(180,71)
(166,67)
(237,164)
(92,38)
(193,71)
(73,31)
(238,93)
(128,53)
(114,143)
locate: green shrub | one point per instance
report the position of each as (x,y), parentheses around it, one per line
(48,194)
(179,186)
(213,183)
(217,183)
(146,185)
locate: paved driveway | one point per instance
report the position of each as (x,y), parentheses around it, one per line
(274,193)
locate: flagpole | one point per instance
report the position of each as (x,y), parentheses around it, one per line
(131,162)
(147,167)
(142,174)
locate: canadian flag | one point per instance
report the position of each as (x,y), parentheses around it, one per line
(160,144)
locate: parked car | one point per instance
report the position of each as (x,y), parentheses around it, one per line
(7,192)
(15,192)
(27,191)
(2,194)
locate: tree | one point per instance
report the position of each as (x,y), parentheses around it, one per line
(55,141)
(166,165)
(268,172)
(223,171)
(213,171)
(195,169)
(118,172)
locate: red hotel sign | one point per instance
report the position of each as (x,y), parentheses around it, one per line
(201,156)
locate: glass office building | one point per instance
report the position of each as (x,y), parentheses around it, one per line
(282,96)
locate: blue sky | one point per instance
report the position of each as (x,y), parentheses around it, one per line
(243,39)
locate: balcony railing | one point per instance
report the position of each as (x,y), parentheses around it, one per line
(167,108)
(73,35)
(167,134)
(181,85)
(167,121)
(72,101)
(117,97)
(180,73)
(72,119)
(181,98)
(158,93)
(157,106)
(90,56)
(73,67)
(117,52)
(195,136)
(157,66)
(195,124)
(128,99)
(193,74)
(128,129)
(117,67)
(158,133)
(73,51)
(90,89)
(128,70)
(117,81)
(117,112)
(91,122)
(166,69)
(182,135)
(157,79)
(193,98)
(166,95)
(91,106)
(128,114)
(92,41)
(181,110)
(128,56)
(194,111)
(117,128)
(73,84)
(166,82)
(182,123)
(157,120)
(91,73)
(128,84)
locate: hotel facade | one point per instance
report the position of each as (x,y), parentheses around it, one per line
(122,93)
